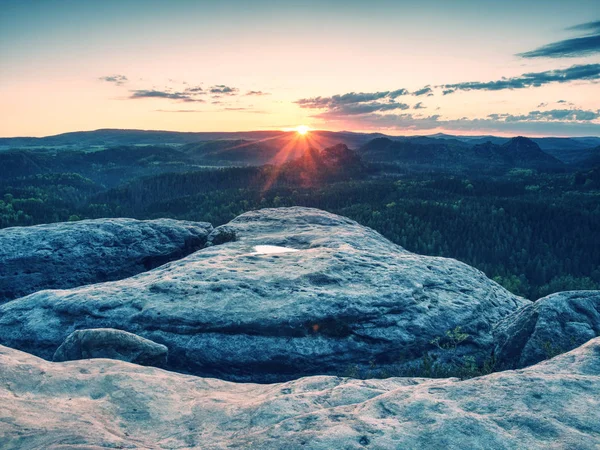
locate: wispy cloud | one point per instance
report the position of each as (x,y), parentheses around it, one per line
(354,109)
(419,106)
(426,90)
(563,115)
(119,80)
(354,103)
(179,110)
(221,89)
(151,93)
(349,98)
(245,110)
(586,72)
(194,90)
(569,48)
(532,123)
(184,96)
(257,93)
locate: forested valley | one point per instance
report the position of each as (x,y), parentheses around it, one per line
(533,231)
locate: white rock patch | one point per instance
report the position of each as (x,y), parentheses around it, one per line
(271,249)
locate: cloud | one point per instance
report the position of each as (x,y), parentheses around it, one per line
(419,106)
(569,48)
(119,80)
(542,105)
(354,103)
(246,110)
(570,115)
(448,91)
(179,110)
(151,93)
(349,98)
(222,89)
(553,122)
(588,72)
(426,90)
(194,90)
(356,109)
(257,93)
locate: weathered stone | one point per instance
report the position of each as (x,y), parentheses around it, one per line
(550,326)
(348,297)
(70,254)
(112,404)
(113,344)
(221,235)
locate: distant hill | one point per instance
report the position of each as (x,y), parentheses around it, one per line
(432,153)
(255,148)
(114,137)
(593,158)
(568,150)
(523,152)
(109,167)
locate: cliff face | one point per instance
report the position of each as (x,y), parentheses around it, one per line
(66,255)
(107,403)
(550,326)
(279,295)
(347,297)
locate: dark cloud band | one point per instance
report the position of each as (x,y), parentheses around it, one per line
(588,72)
(568,48)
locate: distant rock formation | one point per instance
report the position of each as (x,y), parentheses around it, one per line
(426,152)
(103,403)
(71,254)
(113,344)
(550,326)
(347,298)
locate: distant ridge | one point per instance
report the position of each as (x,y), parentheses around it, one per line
(116,136)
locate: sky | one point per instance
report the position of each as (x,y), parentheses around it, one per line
(403,68)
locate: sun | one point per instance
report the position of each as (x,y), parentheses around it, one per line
(302,129)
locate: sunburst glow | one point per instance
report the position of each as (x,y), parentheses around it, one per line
(302,129)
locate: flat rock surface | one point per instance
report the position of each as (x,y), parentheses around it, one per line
(550,326)
(70,254)
(113,344)
(107,403)
(348,297)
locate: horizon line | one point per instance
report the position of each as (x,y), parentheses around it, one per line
(312,130)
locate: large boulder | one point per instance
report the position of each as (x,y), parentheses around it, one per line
(70,254)
(112,344)
(113,404)
(299,292)
(550,326)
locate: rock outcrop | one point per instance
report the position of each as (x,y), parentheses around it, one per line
(113,404)
(347,298)
(113,344)
(550,326)
(70,254)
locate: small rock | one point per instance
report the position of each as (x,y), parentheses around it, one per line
(552,325)
(221,235)
(112,344)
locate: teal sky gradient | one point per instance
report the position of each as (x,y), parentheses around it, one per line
(54,53)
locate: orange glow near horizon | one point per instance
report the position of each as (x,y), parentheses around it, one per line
(302,129)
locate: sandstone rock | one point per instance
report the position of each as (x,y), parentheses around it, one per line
(221,235)
(348,297)
(113,344)
(113,404)
(550,326)
(70,254)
